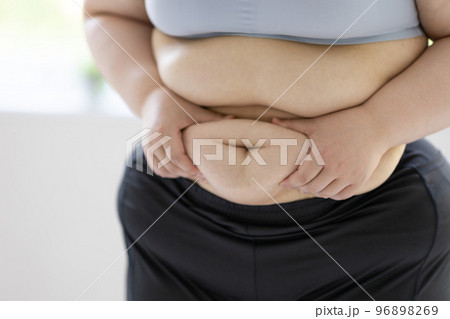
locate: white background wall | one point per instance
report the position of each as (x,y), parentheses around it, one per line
(59,228)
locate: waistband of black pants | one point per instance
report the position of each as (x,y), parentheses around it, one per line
(309,210)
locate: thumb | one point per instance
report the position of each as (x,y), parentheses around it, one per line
(300,125)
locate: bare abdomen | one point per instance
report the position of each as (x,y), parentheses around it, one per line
(239,176)
(243,76)
(239,71)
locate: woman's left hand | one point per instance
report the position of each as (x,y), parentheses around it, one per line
(350,142)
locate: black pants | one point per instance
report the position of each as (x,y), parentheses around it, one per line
(394,241)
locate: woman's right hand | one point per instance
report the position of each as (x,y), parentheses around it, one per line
(162,114)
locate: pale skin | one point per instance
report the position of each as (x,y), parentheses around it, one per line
(412,105)
(139,83)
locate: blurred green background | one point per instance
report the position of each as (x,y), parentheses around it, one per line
(45,63)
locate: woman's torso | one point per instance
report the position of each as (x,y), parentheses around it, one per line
(244,75)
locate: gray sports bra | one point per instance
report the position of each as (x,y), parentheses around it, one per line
(311,21)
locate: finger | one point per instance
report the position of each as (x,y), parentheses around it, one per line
(173,167)
(318,183)
(157,155)
(300,125)
(163,154)
(179,158)
(176,171)
(161,157)
(346,193)
(333,188)
(303,175)
(163,172)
